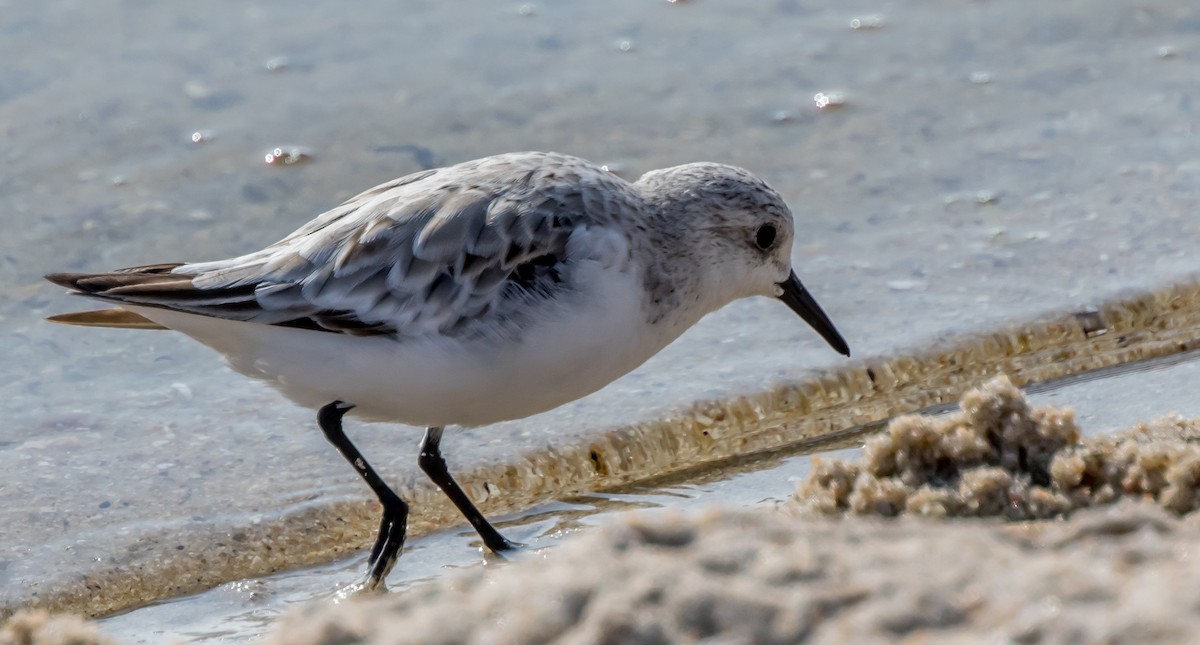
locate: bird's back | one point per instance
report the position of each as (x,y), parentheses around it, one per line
(457,251)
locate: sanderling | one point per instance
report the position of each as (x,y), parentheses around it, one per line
(472,294)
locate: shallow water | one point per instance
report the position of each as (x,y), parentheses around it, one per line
(990,161)
(1104,401)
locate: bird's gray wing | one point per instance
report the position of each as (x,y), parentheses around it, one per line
(424,253)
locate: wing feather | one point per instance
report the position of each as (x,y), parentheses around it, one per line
(421,254)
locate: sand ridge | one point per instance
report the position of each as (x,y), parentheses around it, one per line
(999,456)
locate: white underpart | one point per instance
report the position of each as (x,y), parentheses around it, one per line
(434,380)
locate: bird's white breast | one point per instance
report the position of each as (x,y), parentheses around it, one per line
(575,347)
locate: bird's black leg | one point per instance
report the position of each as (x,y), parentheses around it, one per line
(434,465)
(394,524)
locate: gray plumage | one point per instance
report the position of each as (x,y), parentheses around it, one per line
(448,251)
(437,251)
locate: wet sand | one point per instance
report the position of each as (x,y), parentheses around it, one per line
(1112,572)
(1118,575)
(1121,574)
(1111,561)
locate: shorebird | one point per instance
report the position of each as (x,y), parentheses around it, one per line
(481,292)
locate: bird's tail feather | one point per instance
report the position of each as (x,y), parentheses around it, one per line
(115,318)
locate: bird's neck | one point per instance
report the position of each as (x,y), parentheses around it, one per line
(675,282)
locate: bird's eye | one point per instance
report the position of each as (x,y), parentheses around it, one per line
(765,236)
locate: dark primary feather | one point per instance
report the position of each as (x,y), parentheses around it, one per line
(439,251)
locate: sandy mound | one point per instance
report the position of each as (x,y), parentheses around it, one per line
(1000,457)
(1110,575)
(39,628)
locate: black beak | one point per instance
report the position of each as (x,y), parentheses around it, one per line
(801,301)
